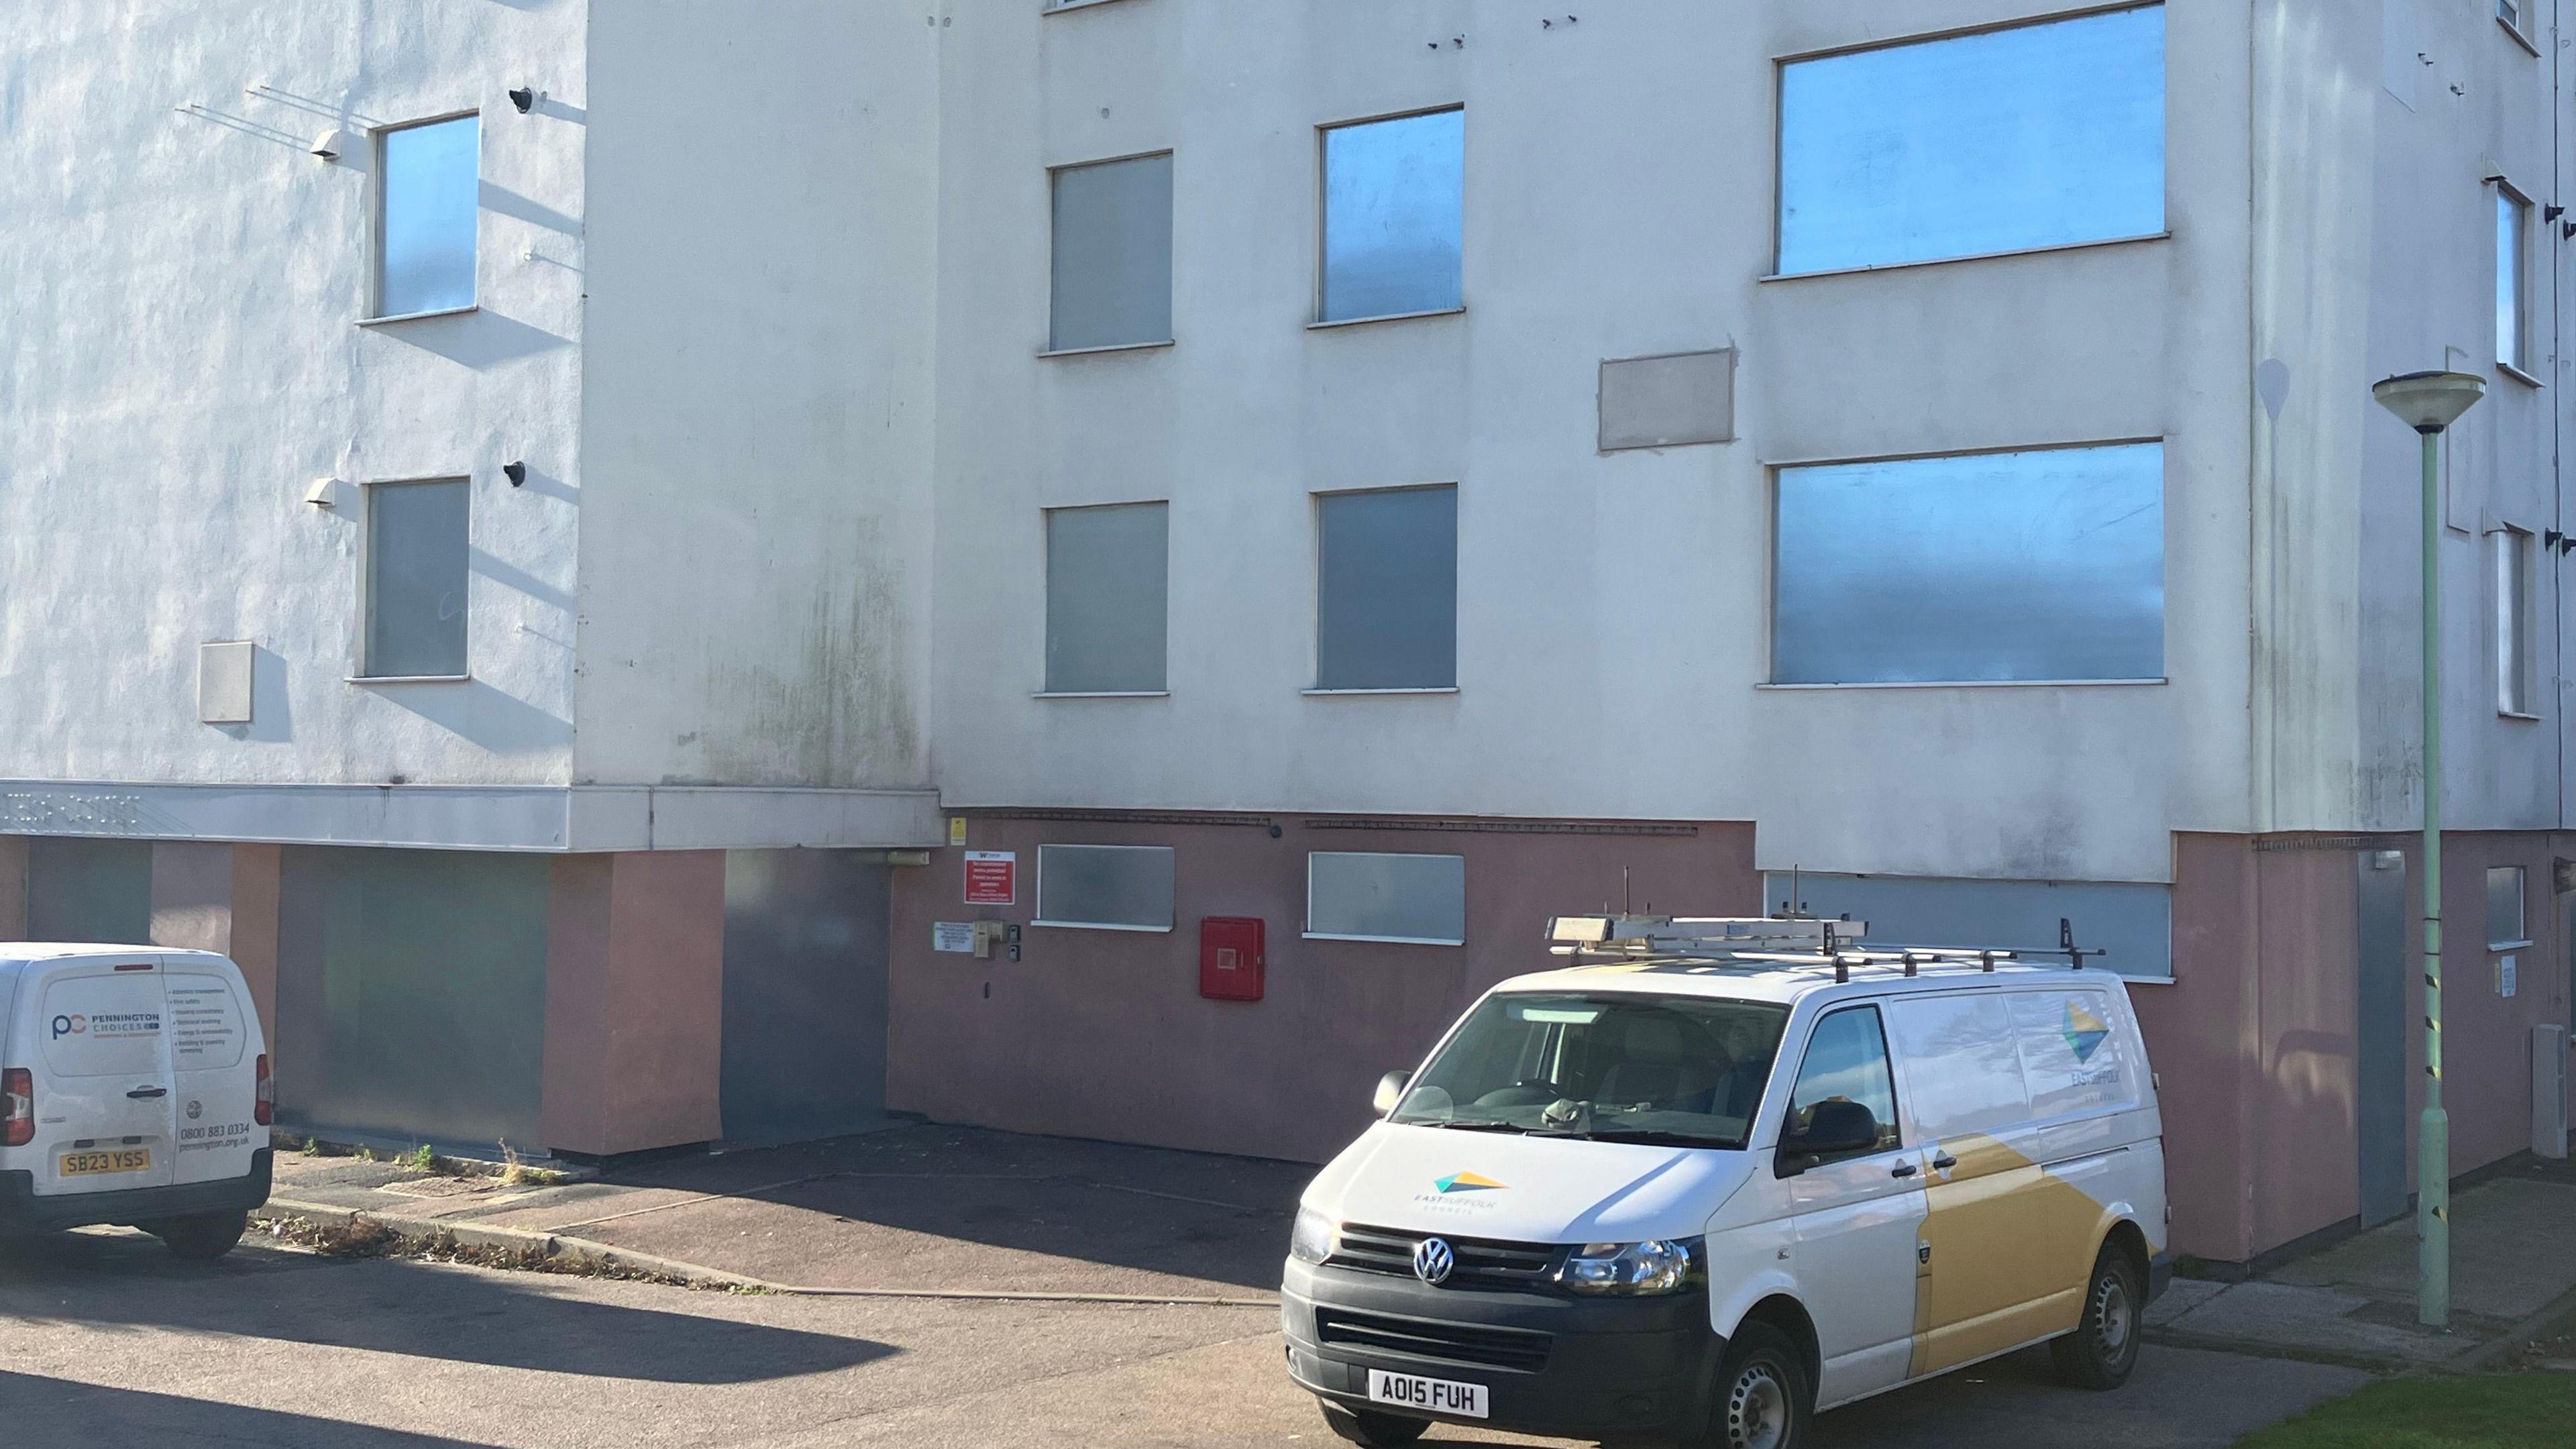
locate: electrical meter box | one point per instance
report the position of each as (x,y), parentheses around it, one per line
(1230,958)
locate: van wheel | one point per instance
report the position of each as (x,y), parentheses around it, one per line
(2104,1346)
(1763,1398)
(1378,1431)
(202,1238)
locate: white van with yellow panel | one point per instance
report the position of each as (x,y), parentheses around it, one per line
(134,1090)
(1730,1174)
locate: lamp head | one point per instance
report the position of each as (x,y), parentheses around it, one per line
(2428,402)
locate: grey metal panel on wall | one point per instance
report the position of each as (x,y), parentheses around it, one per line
(412,992)
(89,890)
(2379,1065)
(1667,402)
(804,993)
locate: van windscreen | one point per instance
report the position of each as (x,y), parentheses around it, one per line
(1613,1066)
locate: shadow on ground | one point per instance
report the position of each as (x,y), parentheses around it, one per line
(54,1411)
(414,1309)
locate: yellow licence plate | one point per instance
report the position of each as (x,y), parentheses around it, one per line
(82,1164)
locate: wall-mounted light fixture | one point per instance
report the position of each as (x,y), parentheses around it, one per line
(516,472)
(525,98)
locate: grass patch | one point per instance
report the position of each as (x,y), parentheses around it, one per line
(2484,1411)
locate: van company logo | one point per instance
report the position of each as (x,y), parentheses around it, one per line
(1465,1182)
(72,1025)
(2084,1032)
(122,1024)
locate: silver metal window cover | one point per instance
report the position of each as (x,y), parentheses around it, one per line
(2522,939)
(2525,212)
(363,624)
(1170,854)
(1311,934)
(1171,248)
(1316,320)
(376,220)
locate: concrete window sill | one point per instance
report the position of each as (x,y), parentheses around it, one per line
(420,316)
(1103,926)
(2517,374)
(406,679)
(1384,317)
(2515,714)
(1974,684)
(1102,694)
(1368,693)
(1381,940)
(1058,7)
(2509,28)
(1106,347)
(2075,246)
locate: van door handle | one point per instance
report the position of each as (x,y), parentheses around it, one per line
(1944,1162)
(1902,1169)
(149,1092)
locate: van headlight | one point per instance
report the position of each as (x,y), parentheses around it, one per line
(1311,1241)
(1659,1265)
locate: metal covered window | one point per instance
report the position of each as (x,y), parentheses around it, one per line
(1359,896)
(2044,565)
(2512,280)
(1112,254)
(2132,922)
(2037,135)
(2515,660)
(1394,216)
(2508,929)
(1107,586)
(1386,589)
(1105,887)
(428,196)
(416,579)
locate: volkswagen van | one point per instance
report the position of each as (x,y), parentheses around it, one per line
(134,1090)
(1695,1196)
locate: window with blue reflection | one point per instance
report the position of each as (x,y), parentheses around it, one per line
(2033,136)
(1394,213)
(1993,566)
(2513,217)
(429,194)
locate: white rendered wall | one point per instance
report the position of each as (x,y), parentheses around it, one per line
(1612,631)
(183,360)
(755,547)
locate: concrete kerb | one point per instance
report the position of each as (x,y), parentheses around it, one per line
(2559,1317)
(2479,1357)
(583,1251)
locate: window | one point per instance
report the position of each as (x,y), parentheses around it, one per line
(2133,922)
(2512,300)
(1655,1067)
(416,577)
(1108,575)
(2072,1059)
(2515,659)
(1386,589)
(1112,255)
(2510,12)
(1991,567)
(1846,1061)
(1394,216)
(1356,896)
(1105,887)
(428,196)
(2033,136)
(2507,928)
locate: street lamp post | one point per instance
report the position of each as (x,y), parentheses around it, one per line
(2429,402)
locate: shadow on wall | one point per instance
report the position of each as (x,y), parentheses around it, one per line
(510,203)
(392,1306)
(474,339)
(483,715)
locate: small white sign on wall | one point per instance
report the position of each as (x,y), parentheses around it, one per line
(2504,975)
(952,936)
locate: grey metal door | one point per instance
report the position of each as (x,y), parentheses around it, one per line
(2379,1065)
(804,992)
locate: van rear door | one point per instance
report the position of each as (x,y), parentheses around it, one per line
(103,1102)
(213,1078)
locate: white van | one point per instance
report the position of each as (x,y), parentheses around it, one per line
(1701,1192)
(134,1089)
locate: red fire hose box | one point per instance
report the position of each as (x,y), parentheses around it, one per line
(1230,958)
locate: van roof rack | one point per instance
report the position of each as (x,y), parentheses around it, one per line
(1771,943)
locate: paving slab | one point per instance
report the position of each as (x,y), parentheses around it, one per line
(2513,1252)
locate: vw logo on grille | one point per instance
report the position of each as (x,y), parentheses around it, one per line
(1434,1260)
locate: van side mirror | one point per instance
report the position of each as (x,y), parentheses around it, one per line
(1835,1128)
(1390,1091)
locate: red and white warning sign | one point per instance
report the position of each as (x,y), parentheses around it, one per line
(992,878)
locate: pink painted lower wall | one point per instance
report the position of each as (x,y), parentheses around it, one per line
(1104,1034)
(634,1002)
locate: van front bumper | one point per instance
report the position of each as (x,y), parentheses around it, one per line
(21,1208)
(1618,1369)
